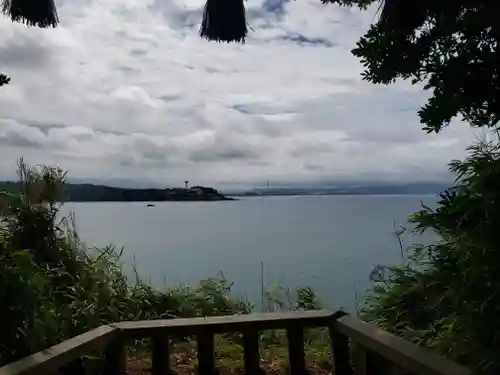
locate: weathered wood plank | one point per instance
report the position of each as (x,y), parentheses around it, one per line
(410,357)
(115,356)
(340,352)
(359,357)
(75,367)
(377,364)
(50,359)
(160,349)
(367,362)
(251,351)
(296,352)
(232,323)
(206,353)
(406,355)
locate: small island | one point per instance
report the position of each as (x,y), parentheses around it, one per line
(102,193)
(97,193)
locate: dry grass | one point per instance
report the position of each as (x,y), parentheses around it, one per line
(229,355)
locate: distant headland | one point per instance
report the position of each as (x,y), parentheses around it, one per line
(102,193)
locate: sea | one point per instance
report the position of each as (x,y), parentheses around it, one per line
(328,243)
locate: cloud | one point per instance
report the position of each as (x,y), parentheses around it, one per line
(126,89)
(276,7)
(23,52)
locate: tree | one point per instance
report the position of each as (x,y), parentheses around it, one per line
(223,20)
(452,47)
(445,296)
(40,13)
(449,46)
(4,79)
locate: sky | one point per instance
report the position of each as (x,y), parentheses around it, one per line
(126,90)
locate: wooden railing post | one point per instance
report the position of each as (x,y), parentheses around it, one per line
(115,356)
(251,350)
(371,363)
(161,355)
(296,353)
(341,358)
(360,360)
(379,352)
(206,359)
(76,367)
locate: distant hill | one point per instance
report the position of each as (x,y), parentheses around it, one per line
(344,189)
(102,193)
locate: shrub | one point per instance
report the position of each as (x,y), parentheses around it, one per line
(446,296)
(52,287)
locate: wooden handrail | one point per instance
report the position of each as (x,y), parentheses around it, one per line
(61,354)
(227,323)
(405,354)
(381,352)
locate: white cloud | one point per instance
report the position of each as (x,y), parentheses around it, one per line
(125,88)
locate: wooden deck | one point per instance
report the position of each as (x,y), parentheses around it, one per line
(376,352)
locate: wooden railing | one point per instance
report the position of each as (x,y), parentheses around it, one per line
(375,352)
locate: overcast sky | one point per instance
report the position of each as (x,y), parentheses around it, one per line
(126,89)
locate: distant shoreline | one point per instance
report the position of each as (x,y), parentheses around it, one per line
(382,189)
(102,193)
(326,194)
(86,192)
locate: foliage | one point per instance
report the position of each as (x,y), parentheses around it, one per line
(4,79)
(452,47)
(40,13)
(285,299)
(53,287)
(447,295)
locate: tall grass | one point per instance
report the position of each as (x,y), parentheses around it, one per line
(445,295)
(53,287)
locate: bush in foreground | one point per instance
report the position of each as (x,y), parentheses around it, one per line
(52,287)
(446,296)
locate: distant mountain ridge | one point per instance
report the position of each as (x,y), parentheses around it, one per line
(350,189)
(88,192)
(102,193)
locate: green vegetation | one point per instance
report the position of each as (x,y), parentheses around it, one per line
(445,296)
(449,48)
(53,287)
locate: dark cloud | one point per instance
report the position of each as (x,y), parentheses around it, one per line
(169,98)
(16,135)
(217,155)
(242,108)
(276,7)
(129,70)
(155,155)
(272,129)
(138,52)
(43,126)
(24,52)
(304,40)
(126,163)
(130,90)
(314,167)
(262,109)
(302,150)
(15,139)
(179,18)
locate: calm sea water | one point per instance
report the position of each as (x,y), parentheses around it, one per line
(330,243)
